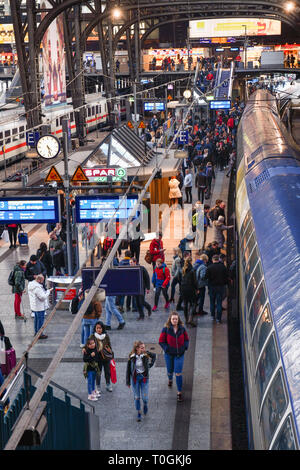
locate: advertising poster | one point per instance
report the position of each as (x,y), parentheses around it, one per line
(54,62)
(234,27)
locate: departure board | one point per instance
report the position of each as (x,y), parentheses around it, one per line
(33,209)
(104,207)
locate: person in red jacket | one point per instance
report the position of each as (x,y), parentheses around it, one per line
(157,249)
(161,280)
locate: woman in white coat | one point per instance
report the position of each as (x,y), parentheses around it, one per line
(38,298)
(174,192)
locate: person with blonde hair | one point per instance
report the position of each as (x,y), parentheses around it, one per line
(174,341)
(137,375)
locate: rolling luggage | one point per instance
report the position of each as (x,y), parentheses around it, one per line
(7,355)
(23,238)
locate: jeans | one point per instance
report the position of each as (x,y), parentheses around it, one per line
(216,296)
(38,320)
(157,294)
(140,390)
(174,283)
(201,297)
(87,328)
(189,304)
(175,365)
(91,378)
(201,192)
(111,308)
(128,301)
(188,194)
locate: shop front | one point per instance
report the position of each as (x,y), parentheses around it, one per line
(172,59)
(291,54)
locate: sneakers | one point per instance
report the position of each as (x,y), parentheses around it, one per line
(139,417)
(179,396)
(149,312)
(21,317)
(32,315)
(145,409)
(96,393)
(170,383)
(121,326)
(43,337)
(92,397)
(109,388)
(167,305)
(154,308)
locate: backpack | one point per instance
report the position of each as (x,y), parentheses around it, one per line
(209,171)
(11,278)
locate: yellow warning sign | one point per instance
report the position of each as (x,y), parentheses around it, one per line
(170,97)
(79,175)
(53,175)
(142,125)
(129,124)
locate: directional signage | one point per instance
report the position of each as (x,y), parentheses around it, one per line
(99,207)
(79,175)
(220,104)
(37,209)
(102,175)
(32,138)
(53,175)
(182,138)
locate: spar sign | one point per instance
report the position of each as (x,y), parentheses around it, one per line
(103,175)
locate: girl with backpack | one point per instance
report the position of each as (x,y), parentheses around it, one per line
(160,280)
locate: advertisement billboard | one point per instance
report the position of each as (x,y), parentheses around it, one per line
(54,61)
(234,27)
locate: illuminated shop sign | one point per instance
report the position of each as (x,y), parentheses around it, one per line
(234,27)
(102,175)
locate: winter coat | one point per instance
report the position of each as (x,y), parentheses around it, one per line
(46,258)
(148,362)
(101,343)
(201,180)
(90,362)
(38,296)
(173,343)
(218,228)
(19,280)
(174,189)
(188,284)
(34,269)
(177,266)
(161,276)
(217,275)
(156,249)
(200,269)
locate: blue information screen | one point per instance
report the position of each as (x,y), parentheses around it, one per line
(154,106)
(29,209)
(219,104)
(104,207)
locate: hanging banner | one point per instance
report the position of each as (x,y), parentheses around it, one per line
(54,61)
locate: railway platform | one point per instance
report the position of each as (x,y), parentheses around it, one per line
(200,422)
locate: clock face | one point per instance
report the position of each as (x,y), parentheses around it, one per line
(48,146)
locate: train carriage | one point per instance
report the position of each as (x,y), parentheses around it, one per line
(267,212)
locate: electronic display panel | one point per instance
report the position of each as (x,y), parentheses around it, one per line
(154,106)
(104,207)
(31,209)
(220,104)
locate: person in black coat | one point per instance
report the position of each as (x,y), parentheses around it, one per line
(34,267)
(217,277)
(188,291)
(140,299)
(201,183)
(45,257)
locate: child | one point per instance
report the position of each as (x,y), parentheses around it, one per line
(91,367)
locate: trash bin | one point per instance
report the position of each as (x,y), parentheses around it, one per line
(60,284)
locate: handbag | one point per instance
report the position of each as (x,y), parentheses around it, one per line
(113,372)
(148,257)
(5,236)
(107,353)
(2,351)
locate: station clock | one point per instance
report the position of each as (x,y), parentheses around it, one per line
(48,146)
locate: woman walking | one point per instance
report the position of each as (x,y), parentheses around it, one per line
(137,375)
(218,228)
(91,368)
(174,341)
(105,355)
(188,290)
(174,192)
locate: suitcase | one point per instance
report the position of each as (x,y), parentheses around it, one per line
(23,238)
(10,361)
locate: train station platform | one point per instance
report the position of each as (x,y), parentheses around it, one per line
(200,422)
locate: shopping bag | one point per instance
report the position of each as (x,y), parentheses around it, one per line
(113,372)
(2,351)
(5,236)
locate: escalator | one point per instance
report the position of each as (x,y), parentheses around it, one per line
(224,83)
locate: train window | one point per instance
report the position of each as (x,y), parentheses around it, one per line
(257,305)
(15,134)
(7,140)
(100,109)
(251,265)
(274,406)
(72,117)
(253,283)
(21,132)
(244,224)
(57,122)
(93,110)
(1,139)
(286,437)
(246,236)
(60,120)
(262,331)
(97,109)
(248,249)
(266,367)
(89,112)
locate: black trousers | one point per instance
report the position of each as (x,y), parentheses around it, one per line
(201,192)
(106,366)
(12,233)
(188,194)
(157,294)
(140,304)
(135,247)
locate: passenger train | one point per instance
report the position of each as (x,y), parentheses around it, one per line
(13,124)
(268,224)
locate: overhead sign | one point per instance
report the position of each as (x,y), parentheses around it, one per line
(102,175)
(220,104)
(99,207)
(35,209)
(53,175)
(32,138)
(154,106)
(182,138)
(79,175)
(123,280)
(225,27)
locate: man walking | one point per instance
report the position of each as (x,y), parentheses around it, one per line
(19,287)
(38,298)
(110,309)
(217,277)
(188,184)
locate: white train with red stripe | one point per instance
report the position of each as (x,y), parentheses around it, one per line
(13,125)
